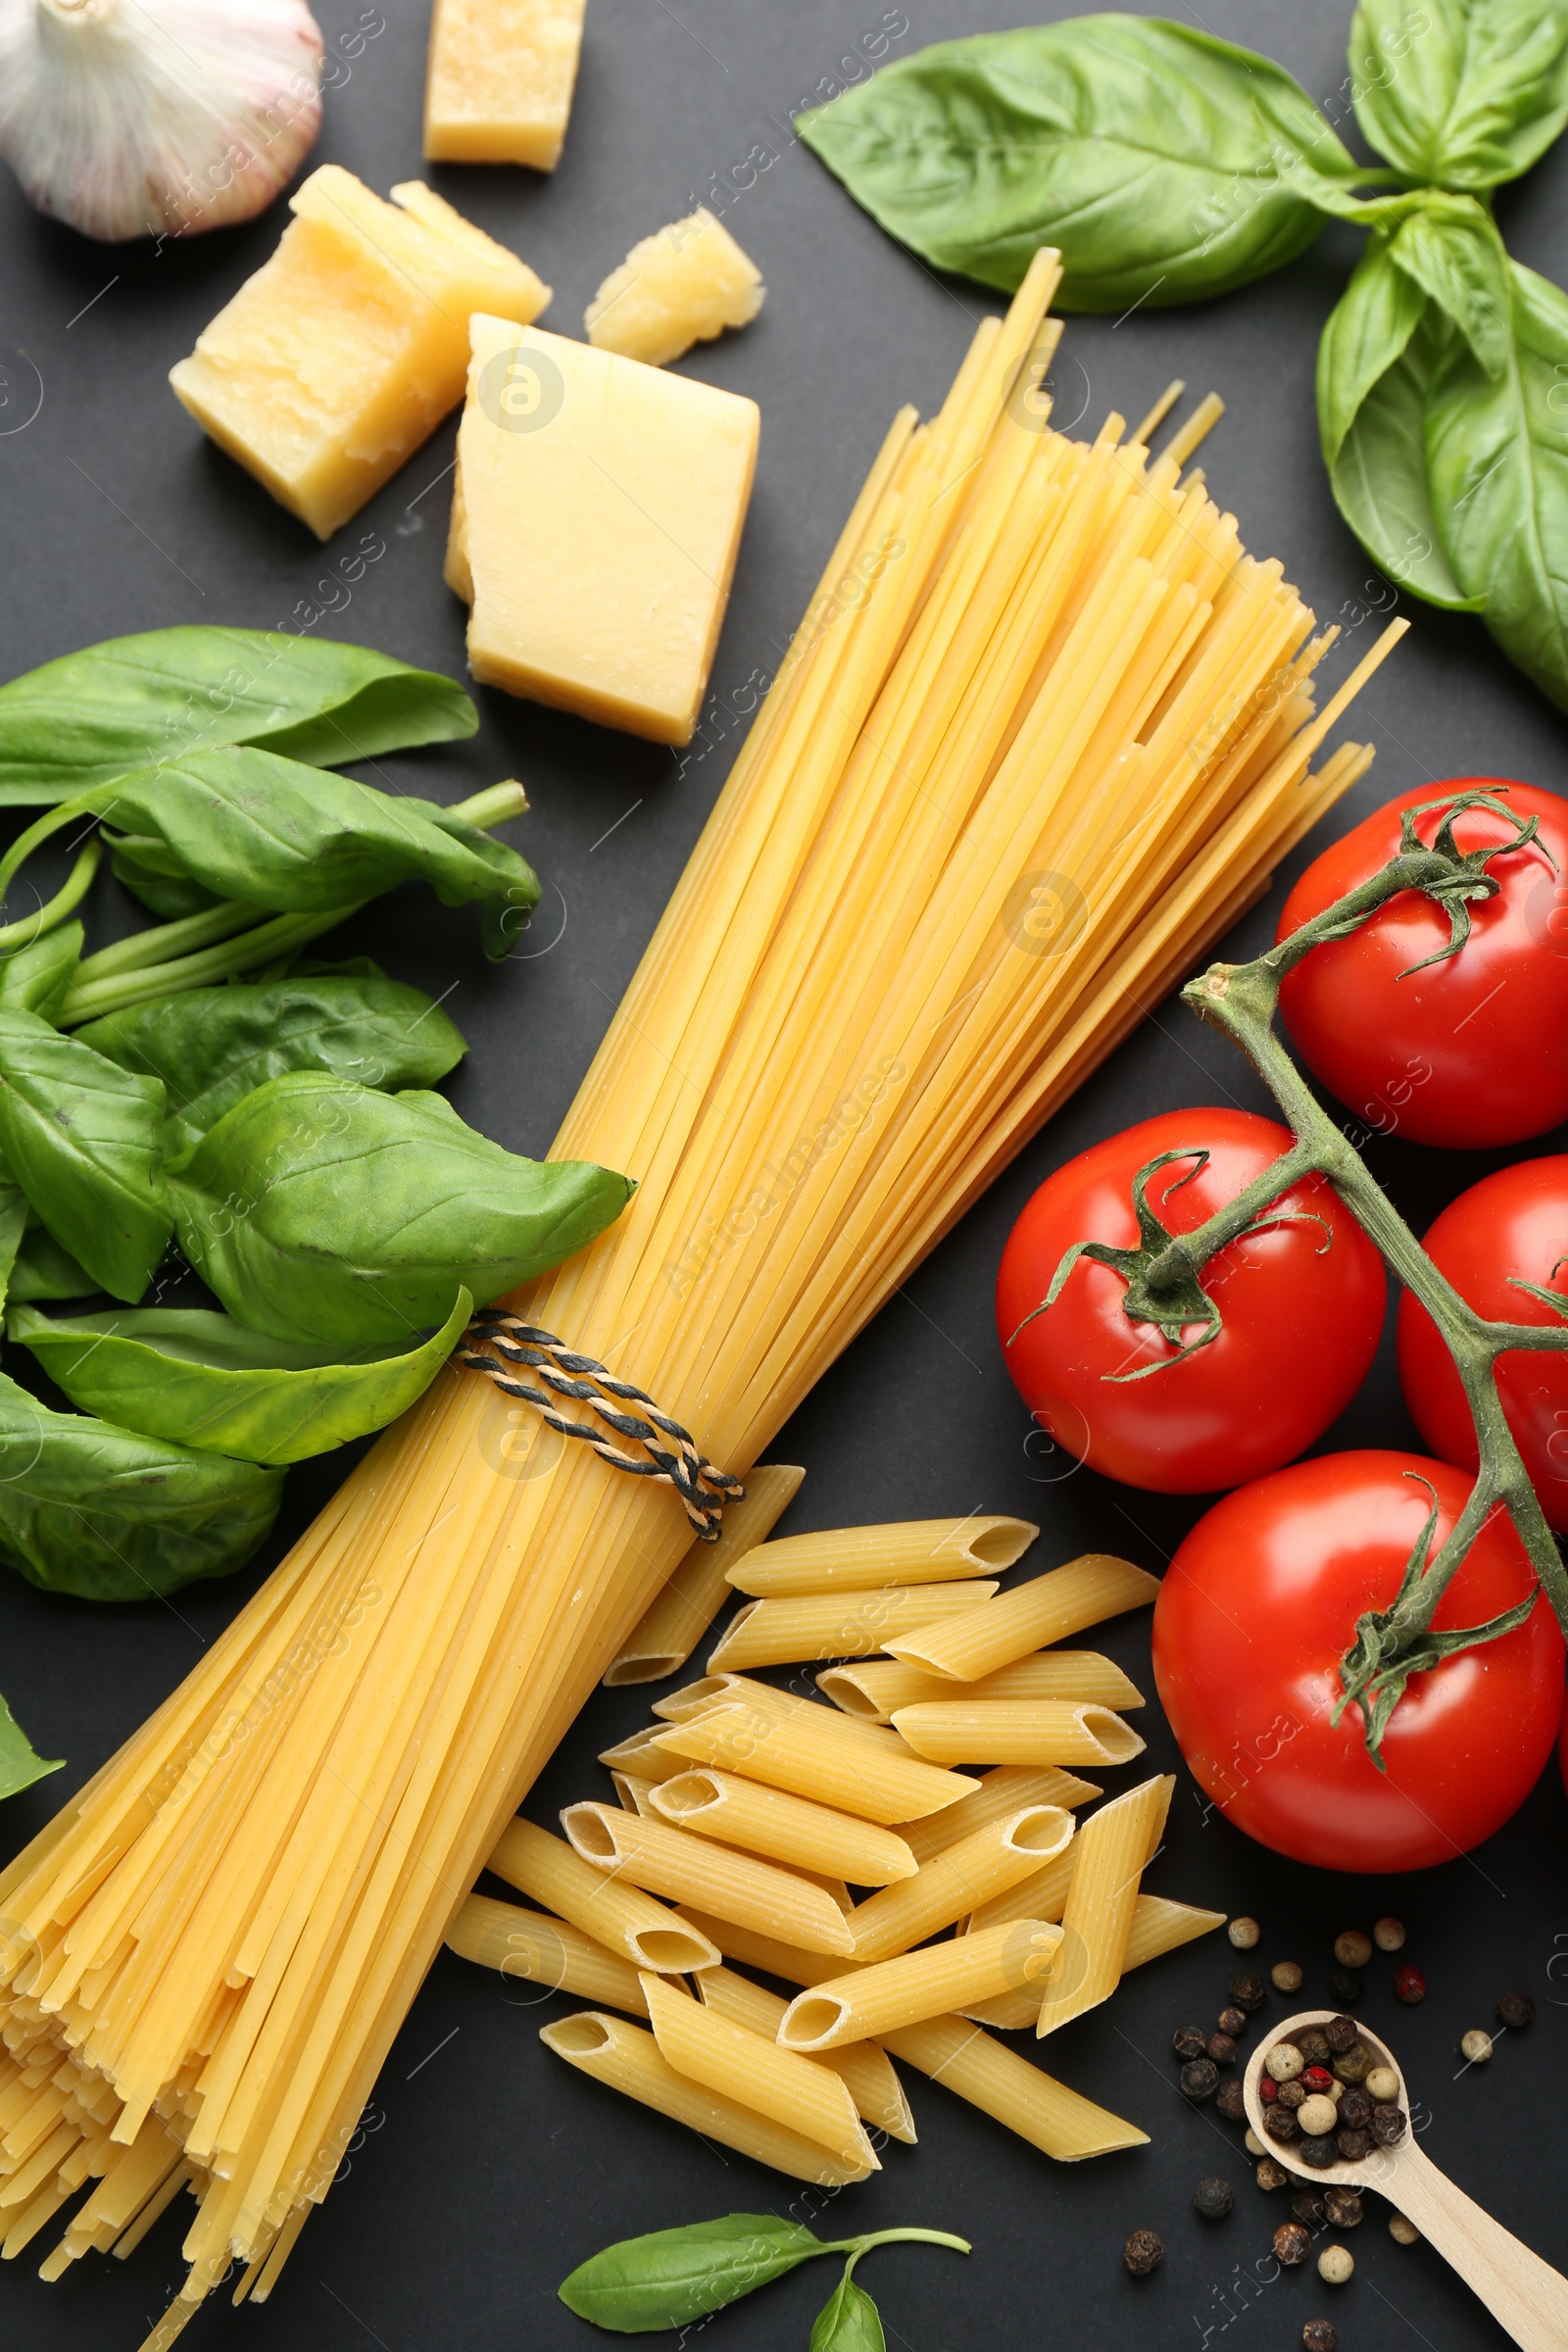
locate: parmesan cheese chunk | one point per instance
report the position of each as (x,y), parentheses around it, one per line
(501,79)
(682,285)
(343,353)
(596,517)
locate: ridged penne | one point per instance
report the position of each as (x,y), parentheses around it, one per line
(1016,1731)
(877,2001)
(711,2048)
(613,1911)
(871,1690)
(640,1757)
(544,1951)
(862,2066)
(1111,1852)
(1006,1789)
(951,1884)
(675,1621)
(1051,2117)
(837,1624)
(1047,1609)
(858,1559)
(805,1753)
(1158,1927)
(667,1861)
(785,1828)
(635,1795)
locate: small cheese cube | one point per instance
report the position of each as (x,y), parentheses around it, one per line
(500,82)
(596,517)
(682,285)
(343,353)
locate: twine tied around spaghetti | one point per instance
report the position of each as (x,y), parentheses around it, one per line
(703,1489)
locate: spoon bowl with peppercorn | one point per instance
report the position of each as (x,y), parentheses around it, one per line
(1326,2099)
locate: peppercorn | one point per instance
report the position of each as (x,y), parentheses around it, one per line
(1213,2198)
(1515,2011)
(1318,2336)
(1382,2085)
(1253,2144)
(1291,2244)
(1343,2207)
(1353,1949)
(1292,2094)
(1308,2206)
(1334,2265)
(1221,2048)
(1188,2042)
(1312,2042)
(1243,1933)
(1317,2077)
(1410,1984)
(1284,2062)
(1232,2022)
(1353,2067)
(1355,2111)
(1346,1986)
(1404,2233)
(1268,2090)
(1388,1934)
(1285,1976)
(1475,2047)
(1353,2145)
(1272,2175)
(1143,2253)
(1200,2078)
(1388,2126)
(1280,2124)
(1342,2034)
(1318,2153)
(1316,2114)
(1230,2101)
(1248,1993)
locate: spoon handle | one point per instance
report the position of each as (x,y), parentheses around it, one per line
(1525,2294)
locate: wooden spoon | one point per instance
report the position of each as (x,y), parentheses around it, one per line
(1525,2294)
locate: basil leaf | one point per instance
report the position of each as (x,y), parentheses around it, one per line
(170,895)
(1165,164)
(1367,330)
(43,1270)
(91,716)
(102,1513)
(212,1046)
(35,978)
(1379,478)
(201,1380)
(272,833)
(1463,93)
(13,1215)
(672,2276)
(1496,454)
(81,1136)
(1450,247)
(19,1766)
(318,1209)
(848,2322)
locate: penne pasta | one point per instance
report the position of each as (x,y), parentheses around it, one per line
(1111,1852)
(696,1699)
(787,1829)
(860,2065)
(711,2048)
(613,1911)
(879,2000)
(858,1559)
(803,1753)
(1007,1790)
(665,1861)
(1040,1896)
(1016,1731)
(870,1692)
(676,1620)
(544,1951)
(639,1758)
(837,1624)
(1047,1609)
(770,1953)
(1051,2118)
(1158,1927)
(634,1795)
(631,2062)
(951,1884)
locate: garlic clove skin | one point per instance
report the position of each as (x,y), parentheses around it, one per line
(136,118)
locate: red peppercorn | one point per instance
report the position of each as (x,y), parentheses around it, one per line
(1318,2078)
(1410,1984)
(1268,2090)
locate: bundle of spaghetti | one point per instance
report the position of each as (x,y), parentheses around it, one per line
(1039,675)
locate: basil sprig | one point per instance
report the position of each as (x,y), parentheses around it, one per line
(673,2277)
(20,1767)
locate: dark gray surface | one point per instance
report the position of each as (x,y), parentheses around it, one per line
(490,2169)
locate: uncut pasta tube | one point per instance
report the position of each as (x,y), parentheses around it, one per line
(863,2069)
(787,1829)
(652,1855)
(614,1912)
(870,1692)
(1016,1731)
(944,1889)
(837,1624)
(711,2048)
(1110,1852)
(879,2000)
(793,1753)
(700,1587)
(631,2062)
(544,1951)
(1047,1609)
(856,1559)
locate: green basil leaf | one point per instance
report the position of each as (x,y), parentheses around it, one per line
(212,1046)
(14,1214)
(34,978)
(1450,247)
(848,2322)
(1463,93)
(102,1513)
(81,1136)
(318,1209)
(672,2276)
(91,716)
(1498,463)
(1367,330)
(267,831)
(169,896)
(201,1380)
(43,1270)
(1165,164)
(1379,478)
(19,1766)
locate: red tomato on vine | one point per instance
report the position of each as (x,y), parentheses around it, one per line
(1302,1303)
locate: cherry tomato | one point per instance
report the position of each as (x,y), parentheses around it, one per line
(1302,1306)
(1467,1053)
(1516,1222)
(1255,1612)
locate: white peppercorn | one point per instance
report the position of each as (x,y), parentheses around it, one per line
(1334,2265)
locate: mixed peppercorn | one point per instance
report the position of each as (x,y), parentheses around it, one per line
(1327,2098)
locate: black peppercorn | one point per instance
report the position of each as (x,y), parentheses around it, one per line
(1290,2094)
(1280,2124)
(1200,2078)
(1341,2034)
(1318,2153)
(1230,2101)
(1313,2045)
(1143,2253)
(1355,2110)
(1213,2198)
(1388,2126)
(1343,2207)
(1346,1986)
(1247,1992)
(1222,2049)
(1310,2206)
(1352,2145)
(1188,2042)
(1290,2244)
(1232,2022)
(1516,2009)
(1318,2336)
(1353,2066)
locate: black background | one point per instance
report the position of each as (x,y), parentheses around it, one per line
(488,2169)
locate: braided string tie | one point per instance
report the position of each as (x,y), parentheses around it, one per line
(703,1489)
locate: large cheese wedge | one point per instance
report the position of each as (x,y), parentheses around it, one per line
(344,351)
(596,517)
(501,79)
(682,285)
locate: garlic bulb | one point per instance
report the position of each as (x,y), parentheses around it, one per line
(128,118)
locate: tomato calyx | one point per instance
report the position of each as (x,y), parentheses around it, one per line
(1393,1643)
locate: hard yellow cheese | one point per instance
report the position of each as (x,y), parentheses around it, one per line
(500,81)
(343,353)
(596,517)
(682,285)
